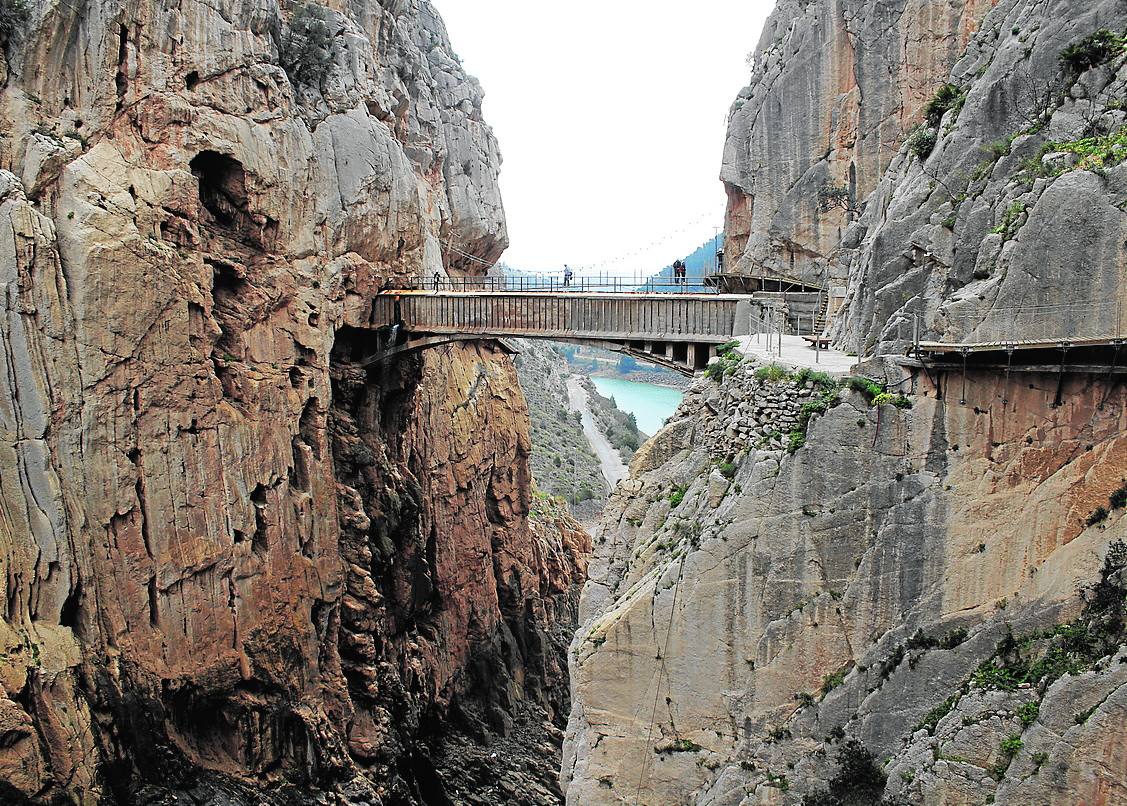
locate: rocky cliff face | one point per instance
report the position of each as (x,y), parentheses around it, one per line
(835,87)
(936,586)
(748,607)
(238,568)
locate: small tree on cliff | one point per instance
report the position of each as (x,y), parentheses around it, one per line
(860,781)
(832,197)
(308,47)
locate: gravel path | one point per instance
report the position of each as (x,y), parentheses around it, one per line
(610,462)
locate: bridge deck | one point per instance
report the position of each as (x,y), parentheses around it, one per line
(635,316)
(678,330)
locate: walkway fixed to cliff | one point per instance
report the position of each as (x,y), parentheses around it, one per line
(677,329)
(759,278)
(1062,338)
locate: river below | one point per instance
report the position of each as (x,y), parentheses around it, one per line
(650,404)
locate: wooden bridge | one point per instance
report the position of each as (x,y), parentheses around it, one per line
(677,330)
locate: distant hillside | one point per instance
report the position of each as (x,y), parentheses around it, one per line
(699,263)
(562,461)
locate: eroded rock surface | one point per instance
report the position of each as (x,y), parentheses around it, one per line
(731,636)
(835,87)
(896,577)
(237,568)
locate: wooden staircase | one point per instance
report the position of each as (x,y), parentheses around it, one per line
(821,315)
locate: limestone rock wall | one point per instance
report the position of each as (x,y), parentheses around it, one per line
(236,568)
(733,632)
(874,583)
(835,86)
(1001,232)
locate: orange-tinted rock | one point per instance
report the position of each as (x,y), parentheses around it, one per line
(199,595)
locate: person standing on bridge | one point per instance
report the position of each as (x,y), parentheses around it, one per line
(568,274)
(679,273)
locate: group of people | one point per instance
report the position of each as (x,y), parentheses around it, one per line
(680,273)
(680,276)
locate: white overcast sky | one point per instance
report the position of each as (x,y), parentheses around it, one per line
(611,117)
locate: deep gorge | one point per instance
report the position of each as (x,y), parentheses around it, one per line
(241,566)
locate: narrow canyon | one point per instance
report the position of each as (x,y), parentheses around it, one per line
(245,563)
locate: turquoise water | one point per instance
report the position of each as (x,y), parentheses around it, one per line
(651,405)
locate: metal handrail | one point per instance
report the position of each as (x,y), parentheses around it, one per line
(555,282)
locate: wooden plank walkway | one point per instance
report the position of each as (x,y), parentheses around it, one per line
(1017,344)
(678,329)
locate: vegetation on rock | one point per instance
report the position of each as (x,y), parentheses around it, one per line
(1011,221)
(1092,51)
(772,373)
(921,141)
(931,719)
(308,47)
(727,360)
(859,781)
(1071,648)
(1089,154)
(946,98)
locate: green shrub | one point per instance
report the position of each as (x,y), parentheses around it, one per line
(584,493)
(727,347)
(1011,745)
(859,780)
(889,664)
(999,148)
(1009,226)
(921,141)
(308,48)
(921,640)
(805,699)
(1027,712)
(822,379)
(953,638)
(1092,51)
(13,15)
(1099,515)
(677,496)
(947,97)
(772,373)
(725,364)
(1070,648)
(931,719)
(833,680)
(870,389)
(679,746)
(1118,499)
(727,470)
(779,781)
(887,398)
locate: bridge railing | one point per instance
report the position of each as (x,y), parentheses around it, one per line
(1042,323)
(638,318)
(555,282)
